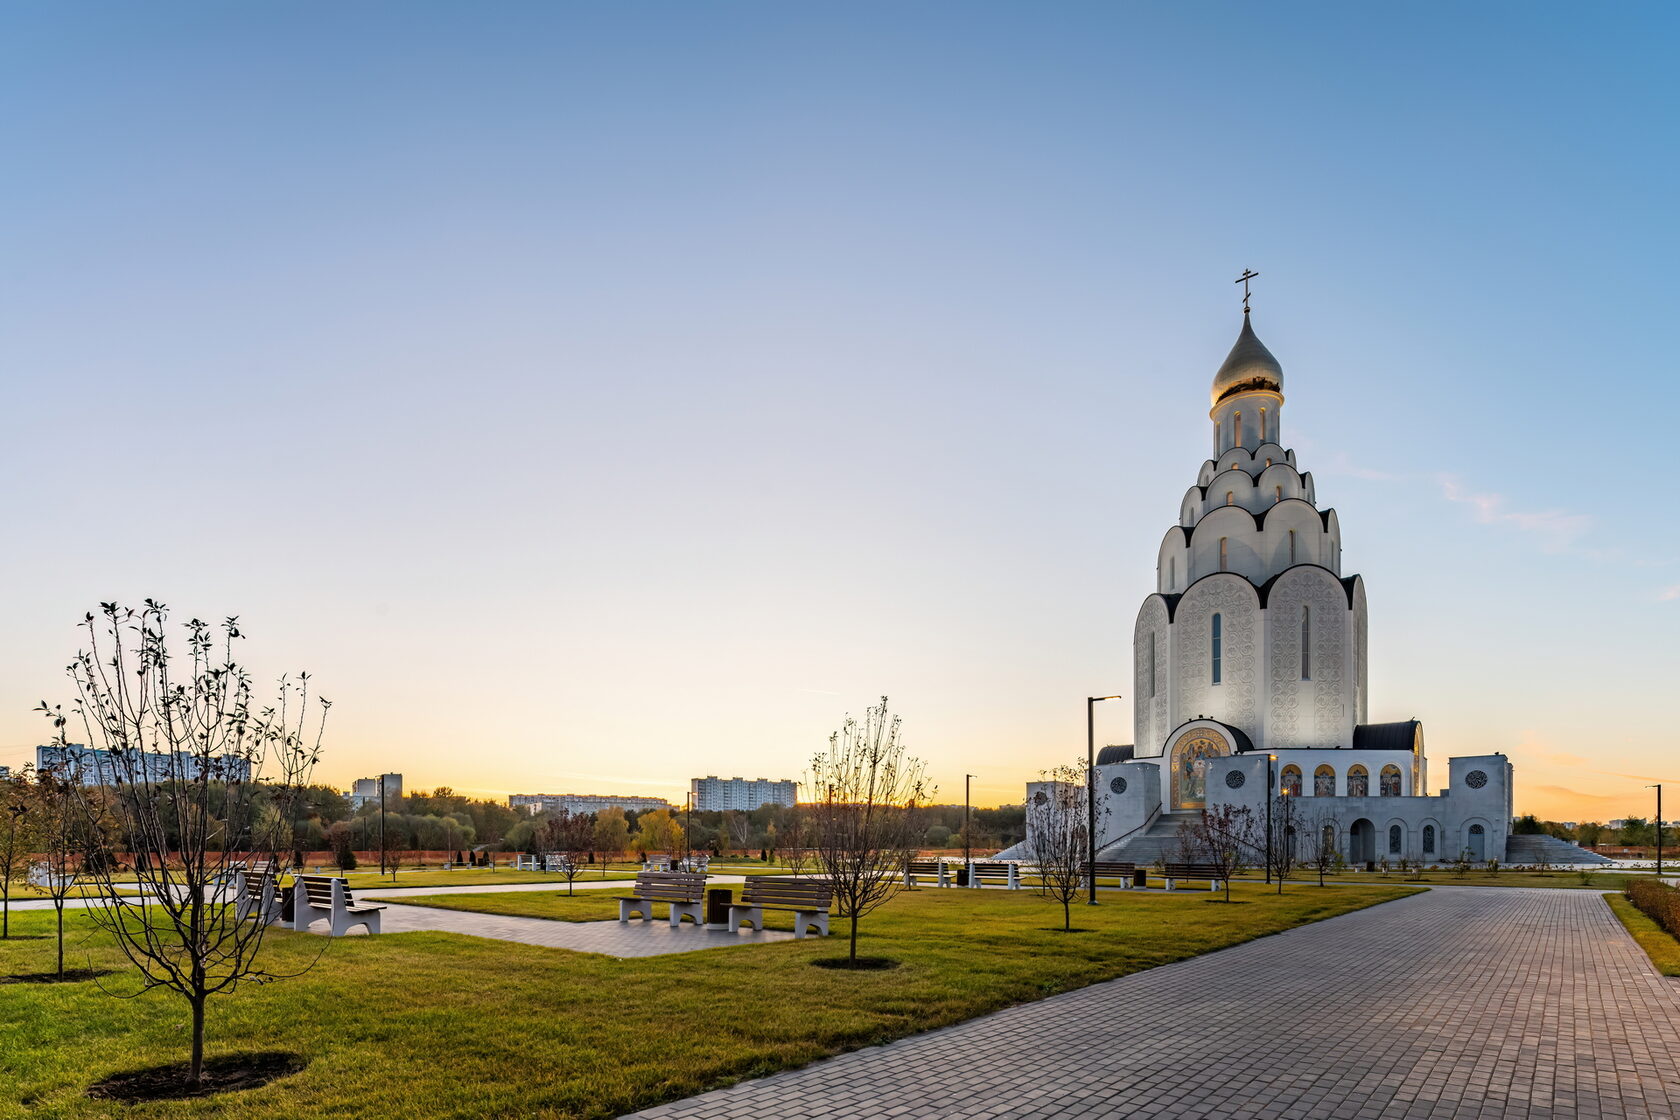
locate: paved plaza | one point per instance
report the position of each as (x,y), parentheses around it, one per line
(1493,1003)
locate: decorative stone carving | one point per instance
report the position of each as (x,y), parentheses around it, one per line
(1234,779)
(1118,785)
(1476,779)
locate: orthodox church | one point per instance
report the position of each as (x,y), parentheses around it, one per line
(1250,661)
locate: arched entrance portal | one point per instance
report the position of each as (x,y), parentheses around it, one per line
(1362,843)
(1477,845)
(1189,765)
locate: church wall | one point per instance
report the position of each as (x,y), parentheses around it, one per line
(1234,700)
(1316,711)
(1361,657)
(1242,550)
(1151,686)
(1120,811)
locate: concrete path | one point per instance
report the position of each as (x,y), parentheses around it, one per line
(628,939)
(1459,1002)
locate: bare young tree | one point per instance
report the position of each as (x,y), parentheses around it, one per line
(793,841)
(17,839)
(1322,852)
(58,830)
(1223,836)
(1059,835)
(1281,852)
(864,817)
(740,831)
(199,779)
(569,835)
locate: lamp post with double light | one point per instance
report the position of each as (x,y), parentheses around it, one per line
(968,859)
(1091,792)
(1270,793)
(1658,788)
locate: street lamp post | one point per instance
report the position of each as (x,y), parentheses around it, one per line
(968,859)
(1658,788)
(382,826)
(1091,792)
(1271,758)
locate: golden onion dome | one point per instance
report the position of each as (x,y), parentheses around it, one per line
(1249,366)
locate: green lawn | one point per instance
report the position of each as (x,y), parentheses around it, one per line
(477,876)
(585,906)
(441,1025)
(1657,942)
(1595,880)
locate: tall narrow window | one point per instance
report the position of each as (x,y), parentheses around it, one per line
(1262,425)
(1224,555)
(1172,572)
(1306,643)
(1279,491)
(1218,645)
(1236,429)
(1292,546)
(1151,682)
(1428,839)
(1229,494)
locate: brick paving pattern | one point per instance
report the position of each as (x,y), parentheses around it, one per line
(1493,1003)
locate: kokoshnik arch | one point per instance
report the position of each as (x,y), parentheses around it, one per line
(1253,644)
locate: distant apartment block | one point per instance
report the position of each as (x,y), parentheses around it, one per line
(534,803)
(365,791)
(95,767)
(713,794)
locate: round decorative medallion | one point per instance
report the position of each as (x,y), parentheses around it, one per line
(1040,798)
(1235,779)
(1476,779)
(1118,785)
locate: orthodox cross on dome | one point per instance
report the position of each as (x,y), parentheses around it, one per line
(1248,274)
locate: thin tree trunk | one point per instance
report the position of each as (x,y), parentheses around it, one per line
(196,1072)
(1067,916)
(854,935)
(60,909)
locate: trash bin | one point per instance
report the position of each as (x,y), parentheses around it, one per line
(717,907)
(962,876)
(1140,877)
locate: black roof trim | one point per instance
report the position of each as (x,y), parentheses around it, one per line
(1112,754)
(1238,735)
(1386,736)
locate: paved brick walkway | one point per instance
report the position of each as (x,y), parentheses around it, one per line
(1487,1003)
(630,939)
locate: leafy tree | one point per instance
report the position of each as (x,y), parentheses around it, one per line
(17,839)
(193,757)
(937,836)
(612,835)
(1527,825)
(867,789)
(1589,833)
(657,831)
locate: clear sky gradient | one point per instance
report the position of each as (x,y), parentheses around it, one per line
(595,396)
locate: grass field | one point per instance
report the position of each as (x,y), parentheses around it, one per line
(1657,942)
(585,906)
(476,877)
(440,1025)
(1594,880)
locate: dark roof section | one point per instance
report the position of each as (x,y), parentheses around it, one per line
(1386,736)
(1115,754)
(1266,588)
(1244,743)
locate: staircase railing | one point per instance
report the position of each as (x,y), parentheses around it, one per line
(1154,815)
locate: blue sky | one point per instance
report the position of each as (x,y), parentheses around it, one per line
(597,395)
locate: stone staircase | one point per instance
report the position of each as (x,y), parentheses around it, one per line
(1528,850)
(1157,843)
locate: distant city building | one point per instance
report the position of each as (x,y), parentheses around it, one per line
(5,773)
(713,794)
(95,767)
(365,791)
(535,803)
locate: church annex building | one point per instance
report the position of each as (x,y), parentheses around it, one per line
(1250,663)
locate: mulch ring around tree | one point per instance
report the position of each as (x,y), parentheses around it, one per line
(70,976)
(862,964)
(228,1073)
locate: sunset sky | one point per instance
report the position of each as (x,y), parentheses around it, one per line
(596,396)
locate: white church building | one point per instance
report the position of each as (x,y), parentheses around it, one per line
(1250,663)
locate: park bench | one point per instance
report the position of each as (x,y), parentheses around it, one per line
(932,868)
(1010,873)
(657,863)
(257,894)
(1124,870)
(1212,872)
(315,896)
(808,899)
(685,891)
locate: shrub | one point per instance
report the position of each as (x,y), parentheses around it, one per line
(1659,901)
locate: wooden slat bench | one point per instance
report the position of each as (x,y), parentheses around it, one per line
(315,896)
(930,868)
(257,895)
(1173,872)
(685,891)
(1010,873)
(809,900)
(1124,870)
